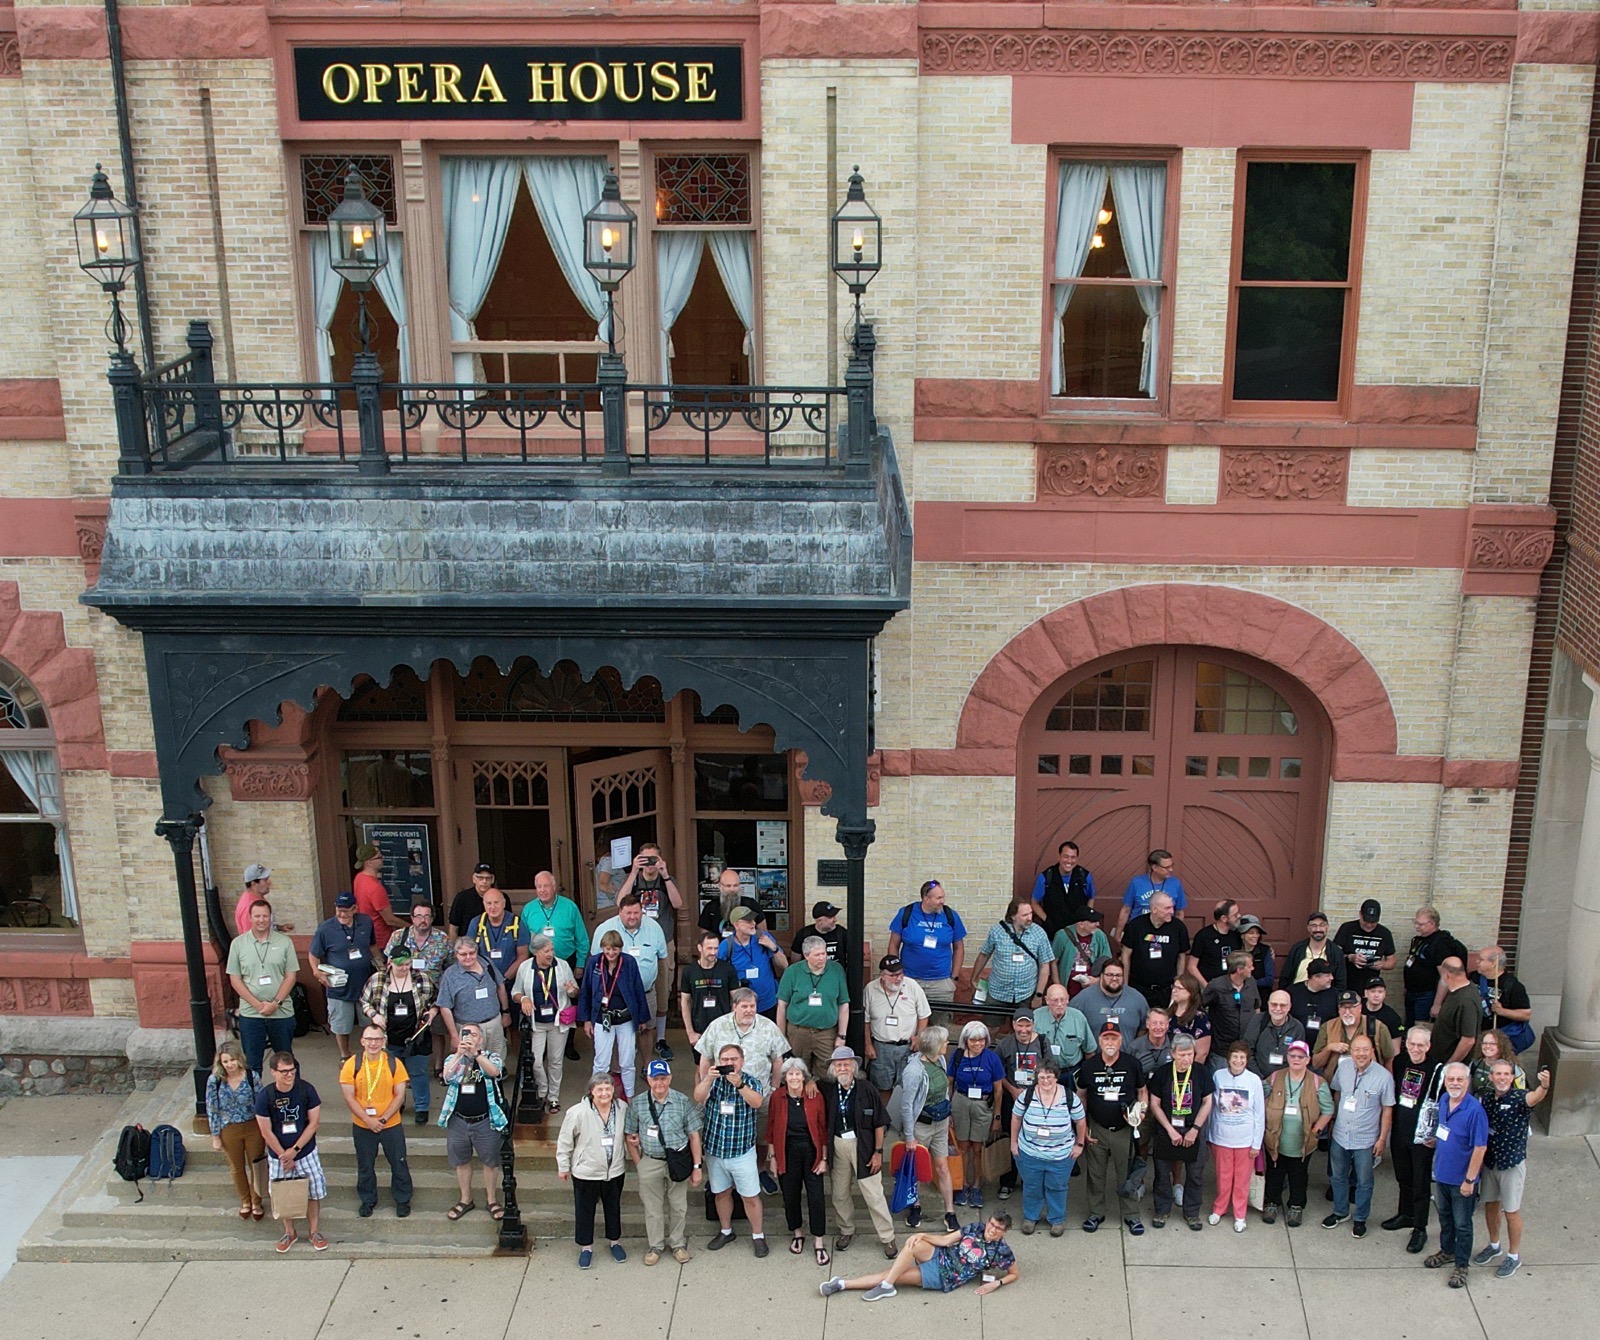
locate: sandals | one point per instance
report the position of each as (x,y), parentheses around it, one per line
(460,1208)
(496,1210)
(799,1244)
(244,1209)
(554,1105)
(257,1211)
(822,1255)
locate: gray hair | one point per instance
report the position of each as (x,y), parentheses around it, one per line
(794,1063)
(812,942)
(742,994)
(1465,1071)
(932,1041)
(597,1079)
(973,1029)
(540,942)
(1182,1042)
(1423,1032)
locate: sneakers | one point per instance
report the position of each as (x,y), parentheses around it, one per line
(1030,1226)
(617,1253)
(975,1198)
(403,1211)
(1213,1219)
(1439,1260)
(663,1051)
(830,1287)
(1056,1230)
(1158,1221)
(1195,1226)
(718,1242)
(759,1247)
(1458,1278)
(960,1198)
(1005,1192)
(914,1216)
(1293,1215)
(1335,1219)
(652,1256)
(1486,1254)
(952,1223)
(1358,1229)
(1508,1268)
(585,1258)
(878,1292)
(365,1211)
(1395,1222)
(286,1241)
(421,1118)
(1238,1226)
(769,1184)
(318,1243)
(1269,1214)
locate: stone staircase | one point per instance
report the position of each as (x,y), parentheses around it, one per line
(98,1217)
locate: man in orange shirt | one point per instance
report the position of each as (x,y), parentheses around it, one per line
(374,1086)
(372,895)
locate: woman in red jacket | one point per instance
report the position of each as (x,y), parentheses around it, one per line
(797,1152)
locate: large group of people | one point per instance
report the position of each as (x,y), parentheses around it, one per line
(1145,1054)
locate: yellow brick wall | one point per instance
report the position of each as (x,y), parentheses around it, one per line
(1205,239)
(1469,868)
(1380,844)
(27,349)
(1192,474)
(280,834)
(973,472)
(1415,478)
(1496,632)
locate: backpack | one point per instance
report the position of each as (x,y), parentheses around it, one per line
(132,1159)
(167,1155)
(904,918)
(304,1022)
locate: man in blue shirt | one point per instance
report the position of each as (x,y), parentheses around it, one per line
(1460,1142)
(341,955)
(755,958)
(930,939)
(502,940)
(1064,891)
(1158,878)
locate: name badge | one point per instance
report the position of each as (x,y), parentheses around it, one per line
(482,993)
(356,956)
(608,1143)
(401,1010)
(1291,1109)
(497,953)
(1274,1058)
(634,950)
(930,942)
(1410,960)
(891,1021)
(845,1135)
(1406,1100)
(372,1111)
(652,1133)
(751,974)
(975,1093)
(1312,1022)
(1177,1123)
(1441,1134)
(1110,1091)
(545,1016)
(1019,958)
(469,1088)
(1350,1103)
(290,1128)
(1022,1077)
(266,981)
(654,910)
(709,1002)
(1155,951)
(814,999)
(726,1108)
(989,1279)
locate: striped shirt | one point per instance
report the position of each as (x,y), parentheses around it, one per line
(1048,1132)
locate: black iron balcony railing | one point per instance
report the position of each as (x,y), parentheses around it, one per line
(179,418)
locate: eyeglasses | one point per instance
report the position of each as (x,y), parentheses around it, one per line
(283,1070)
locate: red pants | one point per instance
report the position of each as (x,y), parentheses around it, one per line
(1234,1167)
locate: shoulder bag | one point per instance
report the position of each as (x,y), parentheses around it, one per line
(680,1162)
(1428,1111)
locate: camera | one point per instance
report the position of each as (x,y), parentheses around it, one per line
(725,1070)
(652,861)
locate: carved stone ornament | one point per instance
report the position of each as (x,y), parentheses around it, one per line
(1102,472)
(1285,476)
(270,779)
(812,793)
(1228,55)
(10,56)
(1511,548)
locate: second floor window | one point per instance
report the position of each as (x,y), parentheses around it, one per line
(1108,289)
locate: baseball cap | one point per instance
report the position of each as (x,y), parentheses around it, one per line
(658,1070)
(1022,1015)
(254,872)
(891,963)
(1317,965)
(1371,910)
(483,868)
(345,899)
(1111,1026)
(842,1054)
(1091,914)
(1102,963)
(1318,915)
(1376,984)
(1248,923)
(823,909)
(400,954)
(1349,998)
(1300,1046)
(365,852)
(742,913)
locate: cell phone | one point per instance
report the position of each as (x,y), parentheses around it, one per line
(724,1070)
(652,861)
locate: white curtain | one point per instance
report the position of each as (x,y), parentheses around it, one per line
(479,195)
(735,255)
(565,188)
(1083,189)
(391,285)
(325,285)
(1140,193)
(678,253)
(34,772)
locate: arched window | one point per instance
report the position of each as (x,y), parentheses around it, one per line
(36,884)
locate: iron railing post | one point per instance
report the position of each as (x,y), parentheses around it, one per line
(861,427)
(133,430)
(367,377)
(613,379)
(203,378)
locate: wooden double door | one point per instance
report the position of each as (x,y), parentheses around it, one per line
(1215,757)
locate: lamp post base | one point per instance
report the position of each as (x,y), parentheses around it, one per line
(1573,1107)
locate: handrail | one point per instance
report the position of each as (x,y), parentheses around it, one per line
(512,1239)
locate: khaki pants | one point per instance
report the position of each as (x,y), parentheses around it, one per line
(666,1205)
(844,1177)
(814,1046)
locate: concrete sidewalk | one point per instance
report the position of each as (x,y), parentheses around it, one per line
(1266,1282)
(41,1141)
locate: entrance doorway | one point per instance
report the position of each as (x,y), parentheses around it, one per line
(627,797)
(1216,757)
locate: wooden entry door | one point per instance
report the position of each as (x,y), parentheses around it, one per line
(513,803)
(627,796)
(1213,756)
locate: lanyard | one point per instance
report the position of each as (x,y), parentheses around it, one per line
(262,950)
(606,988)
(369,1079)
(500,931)
(546,977)
(1181,1093)
(888,1004)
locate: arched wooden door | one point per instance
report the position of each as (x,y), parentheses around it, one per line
(1214,756)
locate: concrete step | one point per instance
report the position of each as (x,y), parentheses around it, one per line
(213,1187)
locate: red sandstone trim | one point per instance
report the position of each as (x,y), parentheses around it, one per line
(35,641)
(1481,774)
(1508,548)
(39,527)
(63,960)
(1557,38)
(834,32)
(133,763)
(30,407)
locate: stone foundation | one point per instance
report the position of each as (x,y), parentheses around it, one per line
(22,1075)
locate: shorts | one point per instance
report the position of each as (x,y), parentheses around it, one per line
(889,1059)
(739,1173)
(465,1138)
(308,1166)
(971,1119)
(341,1016)
(930,1277)
(1505,1185)
(934,1136)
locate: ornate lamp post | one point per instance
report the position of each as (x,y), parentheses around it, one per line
(856,255)
(358,250)
(610,239)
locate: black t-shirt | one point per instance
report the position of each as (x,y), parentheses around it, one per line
(1427,952)
(709,991)
(1109,1089)
(1513,995)
(289,1112)
(1313,1008)
(1181,1102)
(837,940)
(1387,1016)
(1412,1083)
(1353,938)
(401,1021)
(472,1097)
(1154,950)
(1230,1008)
(1460,1016)
(1211,949)
(463,907)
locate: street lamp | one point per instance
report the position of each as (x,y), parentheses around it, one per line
(610,232)
(108,249)
(358,246)
(857,243)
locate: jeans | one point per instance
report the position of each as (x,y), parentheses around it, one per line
(256,1034)
(418,1068)
(1455,1221)
(1343,1161)
(1413,1170)
(392,1140)
(1045,1183)
(1419,1006)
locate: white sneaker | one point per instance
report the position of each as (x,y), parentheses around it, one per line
(1177,1194)
(1214,1219)
(878,1292)
(1238,1225)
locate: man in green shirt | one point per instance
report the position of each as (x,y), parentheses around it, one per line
(262,967)
(548,913)
(1066,1029)
(814,1005)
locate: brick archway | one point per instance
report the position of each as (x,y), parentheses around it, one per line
(1283,635)
(35,641)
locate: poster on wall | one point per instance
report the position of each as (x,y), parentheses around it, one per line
(773,886)
(407,867)
(772,842)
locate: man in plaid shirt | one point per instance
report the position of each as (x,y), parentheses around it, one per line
(731,1100)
